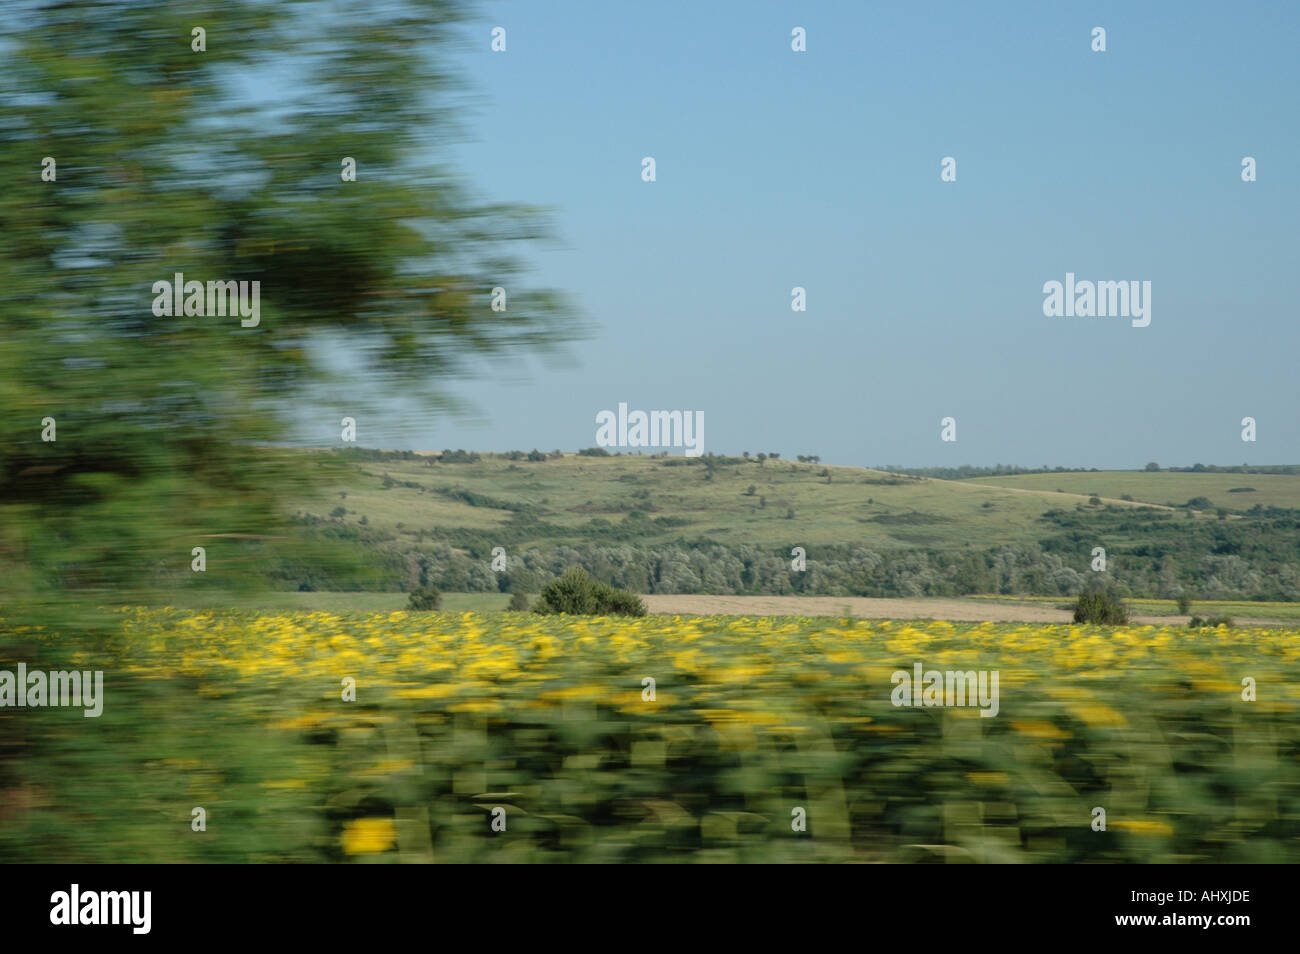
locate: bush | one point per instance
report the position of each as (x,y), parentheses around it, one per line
(519,603)
(1102,607)
(1212,621)
(576,592)
(425,598)
(1184,604)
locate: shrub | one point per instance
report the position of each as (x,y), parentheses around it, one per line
(1184,604)
(620,602)
(1212,621)
(1103,607)
(519,602)
(576,592)
(424,598)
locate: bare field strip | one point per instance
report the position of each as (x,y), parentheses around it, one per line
(862,607)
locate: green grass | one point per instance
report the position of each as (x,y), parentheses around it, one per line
(1270,490)
(872,508)
(336,602)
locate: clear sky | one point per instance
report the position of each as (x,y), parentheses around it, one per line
(924,298)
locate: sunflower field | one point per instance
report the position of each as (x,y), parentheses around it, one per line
(458,737)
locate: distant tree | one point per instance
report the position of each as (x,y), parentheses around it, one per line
(1101,606)
(519,602)
(424,598)
(1153,466)
(751,490)
(578,593)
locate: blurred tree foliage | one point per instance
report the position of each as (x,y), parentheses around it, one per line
(224,165)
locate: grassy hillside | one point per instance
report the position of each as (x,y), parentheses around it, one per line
(672,525)
(576,498)
(1236,492)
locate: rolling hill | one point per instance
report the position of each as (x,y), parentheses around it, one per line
(726,525)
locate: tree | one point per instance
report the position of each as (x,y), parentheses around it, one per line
(577,592)
(424,598)
(165,424)
(1153,466)
(1102,606)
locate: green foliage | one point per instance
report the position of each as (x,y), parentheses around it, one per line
(576,592)
(164,423)
(1184,604)
(1211,622)
(519,602)
(1102,607)
(425,598)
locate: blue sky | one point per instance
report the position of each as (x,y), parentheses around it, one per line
(821,169)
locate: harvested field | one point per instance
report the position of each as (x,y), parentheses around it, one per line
(862,607)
